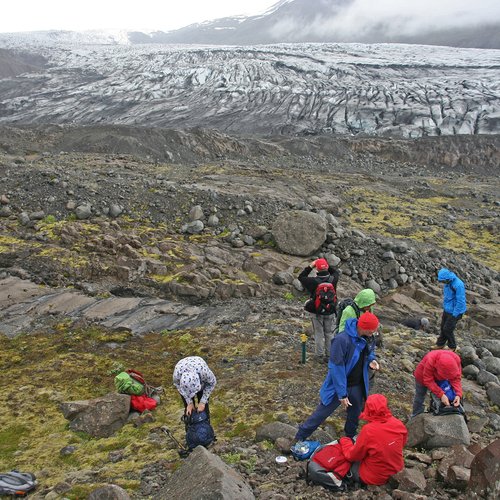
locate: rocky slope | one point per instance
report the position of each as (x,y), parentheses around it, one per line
(135,247)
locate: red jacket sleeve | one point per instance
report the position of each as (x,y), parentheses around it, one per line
(428,377)
(456,385)
(358,452)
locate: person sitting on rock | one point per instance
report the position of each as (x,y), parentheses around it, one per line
(347,381)
(322,323)
(192,377)
(378,451)
(364,300)
(417,323)
(437,366)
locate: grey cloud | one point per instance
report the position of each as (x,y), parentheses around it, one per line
(391,18)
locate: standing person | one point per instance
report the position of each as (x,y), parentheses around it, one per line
(192,377)
(435,367)
(322,323)
(363,302)
(347,381)
(378,451)
(454,307)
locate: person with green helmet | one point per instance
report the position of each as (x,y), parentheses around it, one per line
(363,302)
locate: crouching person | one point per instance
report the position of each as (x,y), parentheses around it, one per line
(378,451)
(435,367)
(192,377)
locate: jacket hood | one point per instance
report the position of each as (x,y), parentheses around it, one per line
(447,367)
(365,298)
(445,274)
(376,409)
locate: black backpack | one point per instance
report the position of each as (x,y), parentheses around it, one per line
(346,303)
(16,483)
(436,407)
(199,431)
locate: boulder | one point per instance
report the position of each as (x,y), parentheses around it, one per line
(492,365)
(458,477)
(214,479)
(99,417)
(493,345)
(410,480)
(485,473)
(275,430)
(493,392)
(433,431)
(109,492)
(297,232)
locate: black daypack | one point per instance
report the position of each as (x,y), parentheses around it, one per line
(16,483)
(199,431)
(436,407)
(346,303)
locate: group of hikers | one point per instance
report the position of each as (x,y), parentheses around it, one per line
(376,453)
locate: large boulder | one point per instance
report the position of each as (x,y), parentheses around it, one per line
(485,473)
(109,492)
(297,232)
(433,431)
(99,417)
(204,475)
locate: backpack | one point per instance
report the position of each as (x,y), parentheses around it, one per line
(16,483)
(304,449)
(328,467)
(127,383)
(346,303)
(438,408)
(199,431)
(324,299)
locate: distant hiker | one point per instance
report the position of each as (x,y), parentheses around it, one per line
(417,323)
(437,366)
(347,381)
(364,301)
(192,377)
(378,451)
(322,310)
(453,307)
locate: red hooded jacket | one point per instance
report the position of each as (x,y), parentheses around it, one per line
(379,445)
(440,365)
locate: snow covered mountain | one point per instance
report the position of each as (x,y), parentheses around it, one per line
(389,89)
(339,21)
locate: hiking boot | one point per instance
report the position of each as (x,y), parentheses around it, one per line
(435,347)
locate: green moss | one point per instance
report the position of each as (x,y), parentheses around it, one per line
(10,438)
(253,277)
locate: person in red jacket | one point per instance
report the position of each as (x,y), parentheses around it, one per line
(436,366)
(378,451)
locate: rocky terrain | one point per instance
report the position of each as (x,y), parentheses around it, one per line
(292,89)
(133,247)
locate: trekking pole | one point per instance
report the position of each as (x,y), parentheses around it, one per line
(303,339)
(183,451)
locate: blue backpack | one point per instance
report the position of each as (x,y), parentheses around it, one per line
(438,408)
(199,431)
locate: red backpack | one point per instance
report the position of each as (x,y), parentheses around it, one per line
(325,299)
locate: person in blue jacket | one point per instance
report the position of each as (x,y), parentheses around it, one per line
(347,381)
(454,307)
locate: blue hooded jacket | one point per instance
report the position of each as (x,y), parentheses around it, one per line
(453,293)
(344,354)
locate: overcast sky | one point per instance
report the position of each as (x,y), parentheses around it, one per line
(403,16)
(32,15)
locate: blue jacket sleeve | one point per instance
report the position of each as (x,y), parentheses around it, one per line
(337,369)
(460,305)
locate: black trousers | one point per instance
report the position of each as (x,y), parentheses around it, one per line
(447,335)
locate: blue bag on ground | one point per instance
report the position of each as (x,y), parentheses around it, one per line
(199,431)
(302,450)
